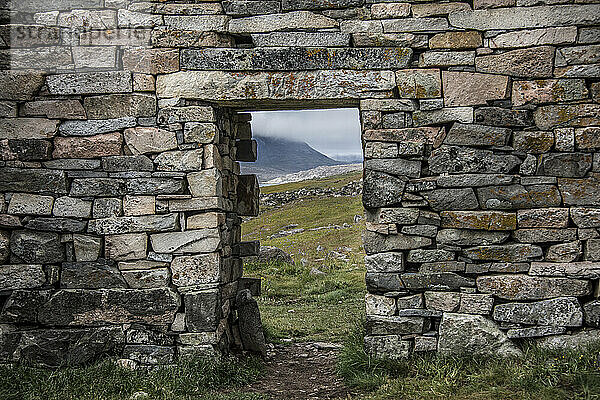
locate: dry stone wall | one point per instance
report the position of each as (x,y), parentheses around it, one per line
(121,128)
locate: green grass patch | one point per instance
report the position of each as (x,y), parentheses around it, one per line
(539,374)
(334,182)
(197,379)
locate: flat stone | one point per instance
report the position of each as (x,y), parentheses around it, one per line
(21,276)
(54,224)
(36,247)
(523,287)
(145,223)
(580,192)
(245,8)
(139,205)
(304,85)
(107,207)
(32,204)
(543,218)
(206,183)
(151,61)
(55,109)
(496,116)
(526,63)
(383,282)
(295,58)
(439,58)
(577,341)
(94,127)
(476,304)
(127,163)
(424,135)
(535,37)
(26,149)
(474,180)
(435,281)
(535,331)
(586,217)
(526,17)
(388,347)
(591,312)
(158,186)
(80,307)
(383,325)
(380,305)
(395,166)
(377,243)
(250,324)
(460,237)
(505,253)
(108,144)
(452,199)
(32,181)
(90,83)
(592,250)
(21,307)
(429,256)
(570,165)
(443,116)
(202,311)
(196,270)
(71,207)
(468,88)
(516,197)
(585,269)
(100,274)
(149,140)
(385,262)
(173,115)
(544,235)
(419,83)
(534,142)
(281,22)
(382,189)
(477,135)
(27,128)
(200,132)
(564,252)
(454,40)
(147,279)
(374,39)
(120,105)
(462,334)
(4,246)
(587,139)
(87,248)
(482,220)
(190,160)
(97,187)
(414,25)
(564,115)
(548,91)
(562,311)
(199,241)
(442,301)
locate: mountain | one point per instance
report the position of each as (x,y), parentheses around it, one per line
(277,157)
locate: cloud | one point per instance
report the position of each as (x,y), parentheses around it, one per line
(332,132)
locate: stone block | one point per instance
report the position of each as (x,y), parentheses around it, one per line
(382,189)
(380,305)
(94,127)
(25,149)
(246,150)
(201,132)
(591,312)
(150,354)
(20,85)
(460,237)
(569,165)
(476,304)
(388,347)
(4,246)
(103,145)
(505,253)
(21,307)
(462,334)
(544,235)
(158,186)
(468,88)
(385,262)
(114,106)
(580,192)
(173,115)
(36,247)
(523,287)
(72,207)
(477,135)
(149,140)
(564,252)
(27,128)
(107,207)
(198,241)
(390,325)
(21,276)
(455,40)
(496,116)
(374,39)
(587,139)
(32,204)
(535,37)
(443,116)
(55,109)
(139,205)
(86,247)
(535,331)
(522,63)
(147,279)
(414,25)
(585,217)
(585,269)
(101,187)
(245,8)
(562,311)
(281,22)
(419,83)
(592,250)
(474,180)
(295,58)
(81,307)
(442,301)
(199,23)
(133,246)
(184,161)
(383,282)
(202,311)
(533,142)
(90,83)
(151,61)
(422,135)
(121,225)
(304,85)
(301,39)
(435,281)
(565,115)
(548,91)
(514,197)
(543,218)
(395,166)
(100,274)
(206,183)
(196,270)
(429,256)
(452,199)
(481,220)
(127,163)
(446,58)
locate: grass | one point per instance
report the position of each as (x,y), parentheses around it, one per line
(316,298)
(539,374)
(196,379)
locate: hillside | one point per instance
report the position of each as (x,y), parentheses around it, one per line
(277,157)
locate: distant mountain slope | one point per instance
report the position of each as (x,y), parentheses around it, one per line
(277,157)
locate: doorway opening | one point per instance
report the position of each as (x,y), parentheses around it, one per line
(309,165)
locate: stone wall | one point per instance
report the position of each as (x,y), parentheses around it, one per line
(120,135)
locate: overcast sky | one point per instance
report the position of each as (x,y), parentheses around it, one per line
(332,132)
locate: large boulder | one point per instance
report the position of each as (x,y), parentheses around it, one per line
(250,324)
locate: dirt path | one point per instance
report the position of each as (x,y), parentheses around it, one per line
(301,371)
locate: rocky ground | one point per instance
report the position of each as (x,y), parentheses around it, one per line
(315,173)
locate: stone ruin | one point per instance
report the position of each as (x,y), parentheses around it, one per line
(123,123)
